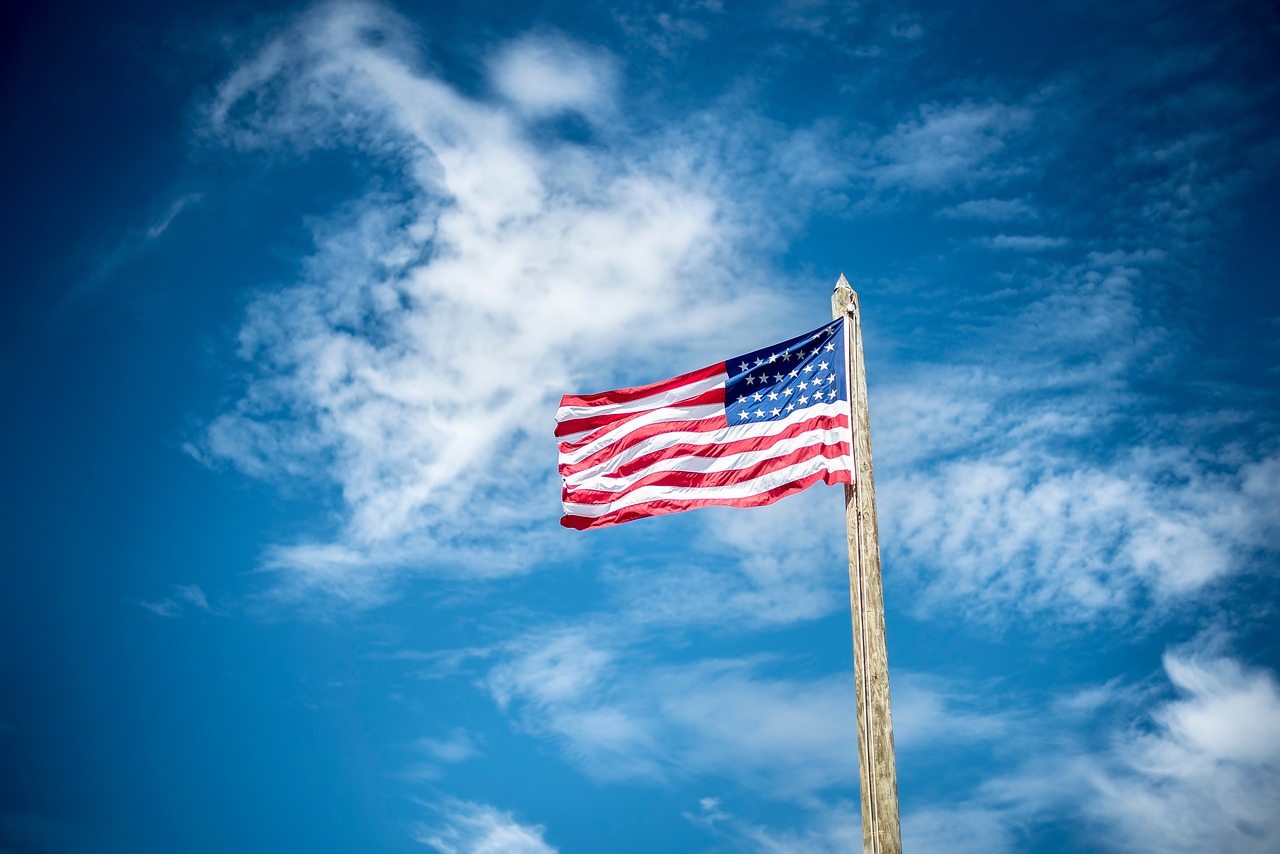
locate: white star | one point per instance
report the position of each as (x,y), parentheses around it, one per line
(822,366)
(759,362)
(776,412)
(757,396)
(773,395)
(786,392)
(831,346)
(744,367)
(777,378)
(808,369)
(742,399)
(795,374)
(803,400)
(831,379)
(790,406)
(744,415)
(751,380)
(831,394)
(803,386)
(773,357)
(759,413)
(816,351)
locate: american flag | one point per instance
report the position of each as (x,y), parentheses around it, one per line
(744,433)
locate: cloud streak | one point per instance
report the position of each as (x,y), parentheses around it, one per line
(467,827)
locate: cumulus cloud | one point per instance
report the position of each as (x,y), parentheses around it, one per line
(466,827)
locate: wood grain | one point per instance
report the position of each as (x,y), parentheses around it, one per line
(877,768)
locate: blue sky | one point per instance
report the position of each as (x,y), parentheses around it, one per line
(292,293)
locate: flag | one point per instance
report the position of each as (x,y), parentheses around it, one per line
(743,433)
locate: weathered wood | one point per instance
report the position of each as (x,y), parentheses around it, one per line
(877,768)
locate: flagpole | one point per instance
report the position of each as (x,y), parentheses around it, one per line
(877,768)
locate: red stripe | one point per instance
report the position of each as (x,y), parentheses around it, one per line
(626,395)
(662,506)
(709,479)
(728,449)
(636,437)
(577,425)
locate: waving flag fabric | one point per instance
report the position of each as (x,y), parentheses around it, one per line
(742,433)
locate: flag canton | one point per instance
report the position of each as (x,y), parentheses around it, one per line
(773,383)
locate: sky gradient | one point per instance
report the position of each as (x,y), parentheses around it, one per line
(293,292)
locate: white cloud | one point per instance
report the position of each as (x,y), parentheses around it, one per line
(466,827)
(190,595)
(992,210)
(998,498)
(418,360)
(161,225)
(746,570)
(1026,242)
(1129,770)
(165,607)
(619,713)
(958,831)
(544,75)
(434,753)
(458,747)
(1206,775)
(132,245)
(836,828)
(948,146)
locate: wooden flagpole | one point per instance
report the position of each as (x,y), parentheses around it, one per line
(877,768)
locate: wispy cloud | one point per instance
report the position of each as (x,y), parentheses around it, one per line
(1134,769)
(1205,774)
(600,692)
(1005,490)
(834,828)
(617,716)
(948,145)
(991,210)
(466,827)
(134,242)
(1026,242)
(184,596)
(432,755)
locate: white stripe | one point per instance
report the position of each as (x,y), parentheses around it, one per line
(732,433)
(657,416)
(744,489)
(652,401)
(597,480)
